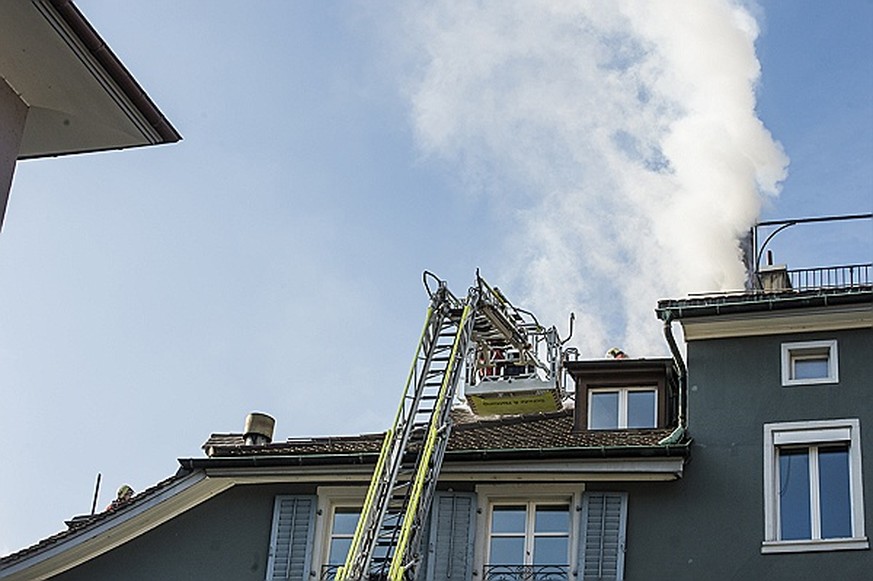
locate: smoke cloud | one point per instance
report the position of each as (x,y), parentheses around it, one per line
(619,141)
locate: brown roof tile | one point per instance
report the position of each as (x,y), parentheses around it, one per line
(530,432)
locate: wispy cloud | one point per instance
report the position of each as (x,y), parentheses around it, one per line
(618,139)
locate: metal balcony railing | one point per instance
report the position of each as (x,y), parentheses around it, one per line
(850,276)
(328,572)
(526,572)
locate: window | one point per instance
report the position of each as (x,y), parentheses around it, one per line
(813,497)
(810,362)
(342,530)
(529,540)
(549,532)
(621,408)
(527,532)
(339,508)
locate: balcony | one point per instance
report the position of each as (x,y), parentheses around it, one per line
(526,572)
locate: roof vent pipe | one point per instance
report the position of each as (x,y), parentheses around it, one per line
(259,429)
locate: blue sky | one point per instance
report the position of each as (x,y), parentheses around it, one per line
(333,151)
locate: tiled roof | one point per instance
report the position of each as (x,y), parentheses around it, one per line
(552,431)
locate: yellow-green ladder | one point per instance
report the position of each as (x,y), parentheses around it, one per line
(387,539)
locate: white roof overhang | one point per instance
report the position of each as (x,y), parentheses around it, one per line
(833,318)
(80,98)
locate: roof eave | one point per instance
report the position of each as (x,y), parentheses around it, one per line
(676,309)
(116,70)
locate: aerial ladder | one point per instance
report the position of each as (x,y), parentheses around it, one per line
(482,334)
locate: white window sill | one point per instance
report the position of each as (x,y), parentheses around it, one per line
(810,381)
(807,546)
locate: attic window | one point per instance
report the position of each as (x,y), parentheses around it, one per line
(809,362)
(622,408)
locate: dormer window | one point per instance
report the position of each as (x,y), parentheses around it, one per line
(624,394)
(622,408)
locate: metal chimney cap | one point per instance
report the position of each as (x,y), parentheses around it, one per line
(258,429)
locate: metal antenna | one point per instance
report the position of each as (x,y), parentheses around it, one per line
(96,493)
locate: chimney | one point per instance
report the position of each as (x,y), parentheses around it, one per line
(774,278)
(259,429)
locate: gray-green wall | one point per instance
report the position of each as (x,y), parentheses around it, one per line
(226,538)
(710,524)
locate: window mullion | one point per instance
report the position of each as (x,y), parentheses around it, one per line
(814,493)
(622,409)
(529,533)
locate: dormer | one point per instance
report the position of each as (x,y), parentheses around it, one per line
(624,394)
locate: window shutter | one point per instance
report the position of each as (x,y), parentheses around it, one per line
(291,538)
(450,547)
(602,545)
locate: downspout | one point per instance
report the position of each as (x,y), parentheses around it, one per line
(680,430)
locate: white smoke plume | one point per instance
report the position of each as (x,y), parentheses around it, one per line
(619,140)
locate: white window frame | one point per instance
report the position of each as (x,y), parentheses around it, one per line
(812,433)
(491,494)
(329,499)
(622,404)
(792,352)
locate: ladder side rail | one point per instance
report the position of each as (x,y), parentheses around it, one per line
(411,560)
(384,476)
(369,499)
(425,463)
(403,504)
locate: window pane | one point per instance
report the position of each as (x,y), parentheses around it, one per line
(641,409)
(506,551)
(552,518)
(604,410)
(550,550)
(836,507)
(345,520)
(794,494)
(508,519)
(339,548)
(811,368)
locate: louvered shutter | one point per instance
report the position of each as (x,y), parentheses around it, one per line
(291,538)
(450,547)
(602,538)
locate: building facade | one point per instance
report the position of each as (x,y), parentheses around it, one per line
(743,459)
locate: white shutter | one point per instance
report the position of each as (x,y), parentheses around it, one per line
(602,544)
(291,538)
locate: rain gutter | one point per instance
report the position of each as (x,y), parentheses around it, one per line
(359,458)
(749,303)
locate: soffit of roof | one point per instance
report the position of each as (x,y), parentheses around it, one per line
(750,324)
(80,96)
(748,314)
